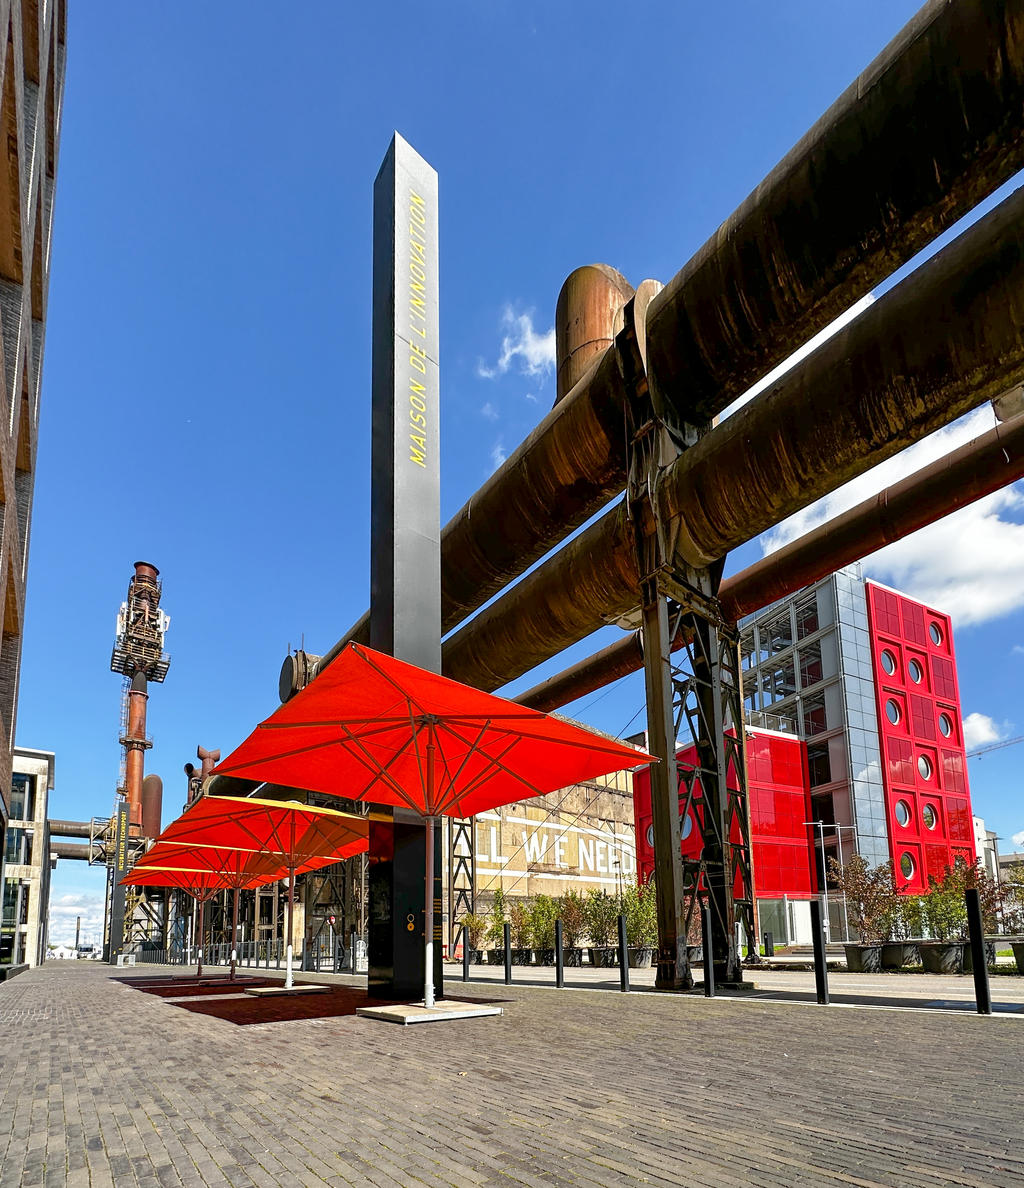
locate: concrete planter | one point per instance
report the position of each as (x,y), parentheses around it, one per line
(943,957)
(1018,955)
(863,958)
(896,954)
(572,958)
(495,956)
(521,956)
(604,958)
(544,956)
(639,956)
(695,954)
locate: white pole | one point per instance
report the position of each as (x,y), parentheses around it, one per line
(291,909)
(428,978)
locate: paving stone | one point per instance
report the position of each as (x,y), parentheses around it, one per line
(102,1083)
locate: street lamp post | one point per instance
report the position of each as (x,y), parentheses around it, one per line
(820,825)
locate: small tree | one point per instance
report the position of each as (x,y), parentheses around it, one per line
(543,913)
(572,911)
(640,907)
(519,923)
(475,929)
(602,912)
(945,907)
(1012,899)
(496,932)
(868,891)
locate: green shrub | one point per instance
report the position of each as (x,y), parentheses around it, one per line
(572,911)
(519,923)
(496,931)
(476,927)
(602,913)
(543,913)
(640,907)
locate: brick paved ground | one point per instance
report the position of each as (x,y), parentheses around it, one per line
(103,1085)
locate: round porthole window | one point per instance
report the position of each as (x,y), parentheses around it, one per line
(650,835)
(924,766)
(915,672)
(945,725)
(888,662)
(892,711)
(903,813)
(935,631)
(907,866)
(687,826)
(929,816)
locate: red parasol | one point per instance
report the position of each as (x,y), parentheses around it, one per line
(266,838)
(377,729)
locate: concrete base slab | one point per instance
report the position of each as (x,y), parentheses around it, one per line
(443,1011)
(272,991)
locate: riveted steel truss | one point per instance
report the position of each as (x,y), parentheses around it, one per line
(461,875)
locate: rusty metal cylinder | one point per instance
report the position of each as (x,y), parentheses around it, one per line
(152,805)
(135,749)
(145,572)
(588,315)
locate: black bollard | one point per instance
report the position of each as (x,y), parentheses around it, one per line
(465,954)
(709,956)
(559,968)
(769,945)
(352,949)
(820,965)
(979,958)
(623,957)
(508,954)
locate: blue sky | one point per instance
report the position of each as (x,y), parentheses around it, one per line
(206,383)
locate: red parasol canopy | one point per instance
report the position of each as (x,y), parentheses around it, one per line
(371,727)
(200,884)
(300,836)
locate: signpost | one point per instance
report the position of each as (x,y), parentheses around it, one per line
(405,534)
(117,903)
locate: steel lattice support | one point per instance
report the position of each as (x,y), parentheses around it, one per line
(704,694)
(461,875)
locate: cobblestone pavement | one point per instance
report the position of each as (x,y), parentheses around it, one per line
(103,1085)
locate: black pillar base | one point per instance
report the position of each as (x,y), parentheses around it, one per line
(396,916)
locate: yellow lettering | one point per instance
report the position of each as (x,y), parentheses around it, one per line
(417,404)
(418,419)
(417,362)
(417,456)
(420,441)
(418,349)
(414,197)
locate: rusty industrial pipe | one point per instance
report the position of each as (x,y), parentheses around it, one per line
(926,132)
(932,127)
(135,745)
(943,341)
(984,465)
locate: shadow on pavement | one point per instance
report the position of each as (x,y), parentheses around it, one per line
(884,1000)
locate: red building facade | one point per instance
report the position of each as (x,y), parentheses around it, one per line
(780,806)
(920,727)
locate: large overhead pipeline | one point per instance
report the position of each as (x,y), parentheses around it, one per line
(929,129)
(932,127)
(978,468)
(943,341)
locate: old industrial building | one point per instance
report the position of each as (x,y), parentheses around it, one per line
(26,885)
(32,89)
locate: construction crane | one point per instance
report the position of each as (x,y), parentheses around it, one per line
(996,746)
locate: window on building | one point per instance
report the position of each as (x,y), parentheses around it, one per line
(907,865)
(924,766)
(807,616)
(778,634)
(902,811)
(935,631)
(23,796)
(810,665)
(815,720)
(17,848)
(819,765)
(916,672)
(888,662)
(929,816)
(779,682)
(945,725)
(892,711)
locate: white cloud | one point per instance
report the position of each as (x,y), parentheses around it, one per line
(498,455)
(533,353)
(1018,838)
(980,729)
(64,909)
(530,396)
(489,412)
(969,565)
(1017,650)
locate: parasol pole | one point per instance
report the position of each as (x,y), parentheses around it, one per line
(291,917)
(234,934)
(428,979)
(199,950)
